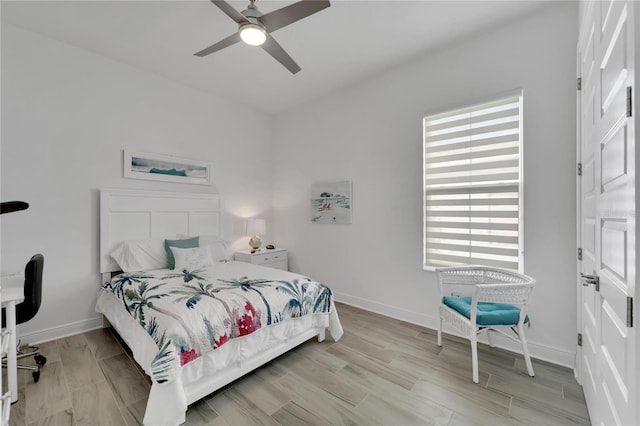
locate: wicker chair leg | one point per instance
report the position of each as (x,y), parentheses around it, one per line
(474,359)
(525,350)
(440,331)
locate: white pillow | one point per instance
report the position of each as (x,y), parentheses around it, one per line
(217,246)
(138,255)
(190,259)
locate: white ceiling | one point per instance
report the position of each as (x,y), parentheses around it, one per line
(336,47)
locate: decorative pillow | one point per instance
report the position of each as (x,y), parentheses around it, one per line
(187,243)
(190,259)
(137,255)
(217,245)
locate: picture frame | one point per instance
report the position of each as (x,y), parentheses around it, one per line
(331,202)
(165,168)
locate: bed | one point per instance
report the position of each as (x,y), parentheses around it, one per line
(199,326)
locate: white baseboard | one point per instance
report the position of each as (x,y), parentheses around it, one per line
(418,318)
(53,333)
(537,350)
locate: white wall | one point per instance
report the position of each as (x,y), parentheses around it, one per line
(67,114)
(371,133)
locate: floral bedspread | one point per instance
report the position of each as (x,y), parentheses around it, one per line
(191,313)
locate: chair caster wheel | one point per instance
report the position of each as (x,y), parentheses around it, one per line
(40,360)
(36,376)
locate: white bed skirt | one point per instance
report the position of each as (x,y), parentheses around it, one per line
(167,403)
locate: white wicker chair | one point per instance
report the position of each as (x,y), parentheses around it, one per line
(493,286)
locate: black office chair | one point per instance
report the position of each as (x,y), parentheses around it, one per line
(28,309)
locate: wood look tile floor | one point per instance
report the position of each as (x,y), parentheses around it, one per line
(382,372)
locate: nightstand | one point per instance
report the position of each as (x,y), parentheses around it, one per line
(275,258)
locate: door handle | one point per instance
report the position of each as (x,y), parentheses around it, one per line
(590,279)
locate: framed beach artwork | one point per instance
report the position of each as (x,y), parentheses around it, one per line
(166,168)
(331,202)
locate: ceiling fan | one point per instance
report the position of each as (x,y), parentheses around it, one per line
(254,28)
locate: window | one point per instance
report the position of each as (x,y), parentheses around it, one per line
(473,186)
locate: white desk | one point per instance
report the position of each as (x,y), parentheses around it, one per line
(12,293)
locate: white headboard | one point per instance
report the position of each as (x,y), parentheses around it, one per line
(135,215)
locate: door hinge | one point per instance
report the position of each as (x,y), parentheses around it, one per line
(579,254)
(629,102)
(579,83)
(629,311)
(579,339)
(579,169)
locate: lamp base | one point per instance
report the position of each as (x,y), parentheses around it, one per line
(255,242)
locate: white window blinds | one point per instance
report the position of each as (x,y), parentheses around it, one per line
(472,186)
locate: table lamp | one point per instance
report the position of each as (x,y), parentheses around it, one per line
(256,227)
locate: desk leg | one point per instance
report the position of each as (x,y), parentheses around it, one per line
(12,363)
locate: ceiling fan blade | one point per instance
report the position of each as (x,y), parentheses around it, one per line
(274,49)
(289,14)
(232,39)
(230,11)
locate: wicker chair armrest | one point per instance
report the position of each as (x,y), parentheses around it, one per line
(460,275)
(515,287)
(479,275)
(457,275)
(513,294)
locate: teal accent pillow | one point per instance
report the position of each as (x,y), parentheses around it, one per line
(187,243)
(487,313)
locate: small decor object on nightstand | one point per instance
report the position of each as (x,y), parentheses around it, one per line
(270,247)
(256,227)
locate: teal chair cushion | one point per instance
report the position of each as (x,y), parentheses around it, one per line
(487,313)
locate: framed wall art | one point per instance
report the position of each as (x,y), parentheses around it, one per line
(331,202)
(167,168)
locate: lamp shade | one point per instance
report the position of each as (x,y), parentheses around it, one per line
(256,227)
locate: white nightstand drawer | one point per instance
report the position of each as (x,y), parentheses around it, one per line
(261,259)
(276,258)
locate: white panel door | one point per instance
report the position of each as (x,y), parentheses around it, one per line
(607,364)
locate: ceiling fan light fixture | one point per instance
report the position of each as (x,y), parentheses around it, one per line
(253,34)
